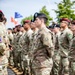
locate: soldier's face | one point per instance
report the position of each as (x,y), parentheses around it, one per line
(32,25)
(55,30)
(18,28)
(25,25)
(9,31)
(73,27)
(21,29)
(63,24)
(15,30)
(38,22)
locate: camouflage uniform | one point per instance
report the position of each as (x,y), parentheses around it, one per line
(64,44)
(16,50)
(10,37)
(22,47)
(27,42)
(3,48)
(3,65)
(42,62)
(56,57)
(31,43)
(72,55)
(31,50)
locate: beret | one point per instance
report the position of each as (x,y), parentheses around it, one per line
(27,21)
(51,26)
(40,15)
(65,19)
(56,25)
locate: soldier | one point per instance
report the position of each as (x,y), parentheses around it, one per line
(35,31)
(33,26)
(64,44)
(17,51)
(22,30)
(21,46)
(14,31)
(56,58)
(3,46)
(43,48)
(27,41)
(72,49)
(10,37)
(50,28)
(3,59)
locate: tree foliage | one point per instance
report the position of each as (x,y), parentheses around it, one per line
(45,11)
(65,9)
(27,18)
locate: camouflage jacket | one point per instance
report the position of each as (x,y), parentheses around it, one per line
(64,41)
(27,41)
(16,41)
(43,45)
(57,40)
(72,49)
(22,42)
(10,37)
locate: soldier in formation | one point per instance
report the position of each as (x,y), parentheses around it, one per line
(72,49)
(4,46)
(34,49)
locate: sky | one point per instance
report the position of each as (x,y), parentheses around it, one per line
(26,8)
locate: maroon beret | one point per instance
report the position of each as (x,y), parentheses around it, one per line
(65,19)
(27,21)
(1,12)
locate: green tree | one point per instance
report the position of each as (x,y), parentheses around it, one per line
(45,11)
(27,18)
(65,10)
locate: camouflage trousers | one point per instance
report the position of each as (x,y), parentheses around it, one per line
(60,65)
(11,58)
(42,68)
(3,70)
(72,66)
(26,65)
(64,69)
(17,59)
(56,63)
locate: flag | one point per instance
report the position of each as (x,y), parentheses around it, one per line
(14,20)
(17,15)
